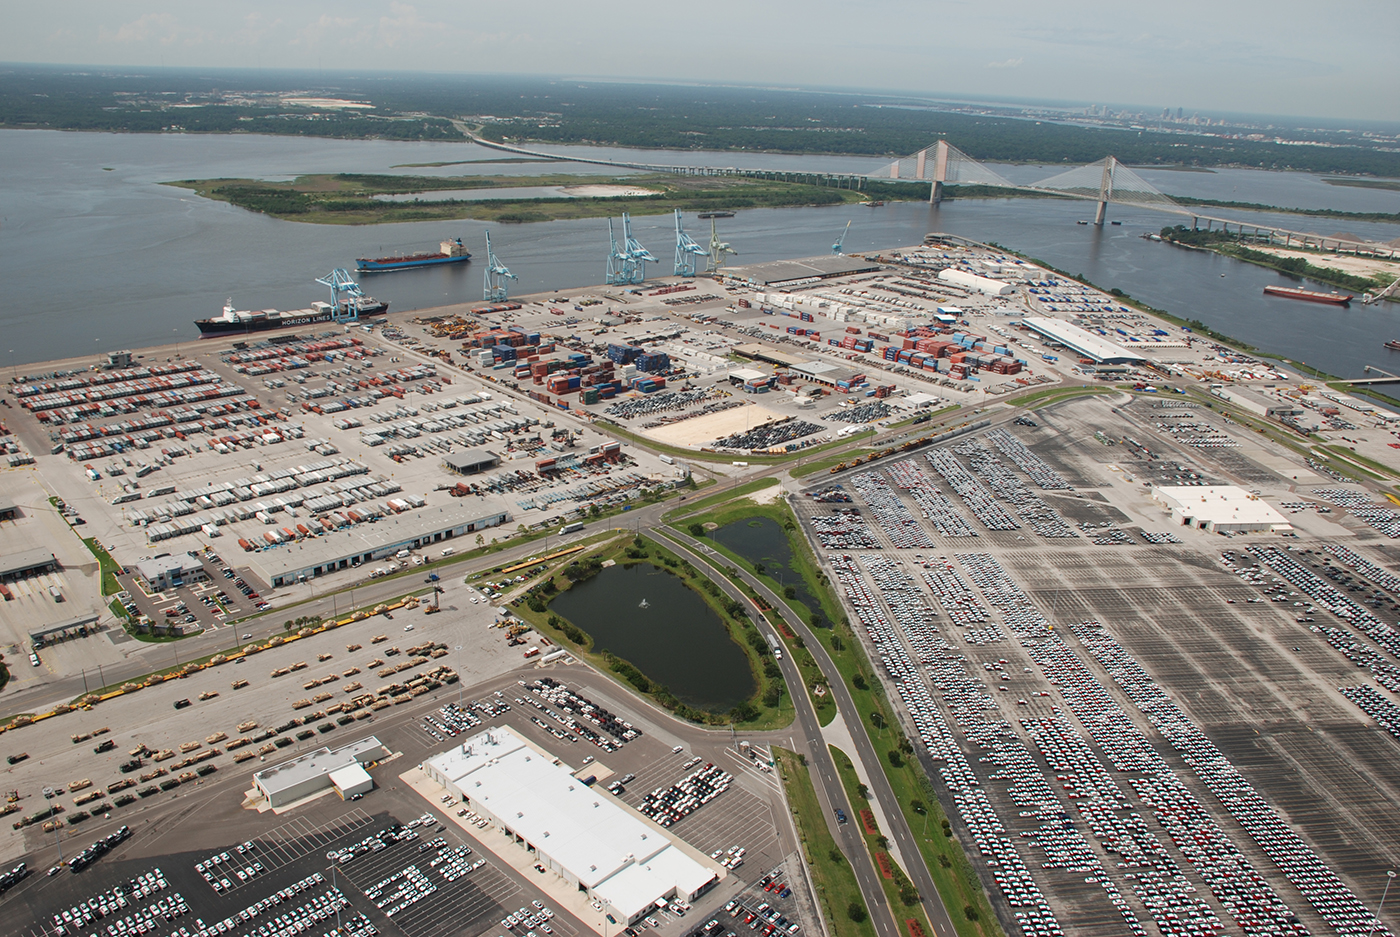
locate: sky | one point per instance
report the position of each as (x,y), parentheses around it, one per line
(1288,57)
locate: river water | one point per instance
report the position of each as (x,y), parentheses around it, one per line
(95,253)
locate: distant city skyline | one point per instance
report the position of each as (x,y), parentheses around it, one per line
(1283,57)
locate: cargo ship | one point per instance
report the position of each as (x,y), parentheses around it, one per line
(240,321)
(1312,296)
(451,251)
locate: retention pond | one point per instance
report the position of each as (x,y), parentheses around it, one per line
(649,616)
(762,540)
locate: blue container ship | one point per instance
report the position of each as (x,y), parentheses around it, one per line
(451,251)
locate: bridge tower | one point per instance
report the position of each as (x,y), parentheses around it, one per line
(940,171)
(1105,189)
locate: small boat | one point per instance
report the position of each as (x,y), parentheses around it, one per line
(644,604)
(1312,296)
(1393,345)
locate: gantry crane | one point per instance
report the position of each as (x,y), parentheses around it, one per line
(836,248)
(627,262)
(339,281)
(686,250)
(717,250)
(497,273)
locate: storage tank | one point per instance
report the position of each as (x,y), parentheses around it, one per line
(973,282)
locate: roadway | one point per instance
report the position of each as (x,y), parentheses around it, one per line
(825,771)
(820,765)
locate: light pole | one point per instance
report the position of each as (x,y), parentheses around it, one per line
(1376,922)
(336,886)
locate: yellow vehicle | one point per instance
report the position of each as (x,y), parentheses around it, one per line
(1392,498)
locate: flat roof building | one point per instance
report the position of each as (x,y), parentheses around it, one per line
(471,461)
(778,272)
(760,352)
(365,543)
(26,563)
(1224,509)
(312,772)
(171,571)
(1081,341)
(1256,403)
(581,833)
(826,372)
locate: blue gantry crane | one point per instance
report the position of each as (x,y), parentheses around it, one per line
(627,262)
(497,273)
(339,281)
(686,250)
(836,248)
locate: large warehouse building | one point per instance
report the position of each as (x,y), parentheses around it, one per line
(1081,341)
(1222,509)
(577,831)
(365,543)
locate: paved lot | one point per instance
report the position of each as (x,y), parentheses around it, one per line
(1260,684)
(176,830)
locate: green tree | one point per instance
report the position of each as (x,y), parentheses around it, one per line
(856,911)
(697,529)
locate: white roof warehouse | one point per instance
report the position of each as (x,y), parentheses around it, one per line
(1219,508)
(1081,341)
(577,831)
(286,564)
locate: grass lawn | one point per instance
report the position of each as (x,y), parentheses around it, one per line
(1051,395)
(832,877)
(729,494)
(110,586)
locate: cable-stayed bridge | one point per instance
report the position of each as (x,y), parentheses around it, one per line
(1104,182)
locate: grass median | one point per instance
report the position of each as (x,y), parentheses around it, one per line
(900,892)
(832,876)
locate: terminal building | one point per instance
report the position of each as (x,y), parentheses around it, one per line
(1255,403)
(365,543)
(171,570)
(342,769)
(1081,341)
(580,833)
(471,461)
(1223,509)
(28,563)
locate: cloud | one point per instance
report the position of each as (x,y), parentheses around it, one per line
(1009,63)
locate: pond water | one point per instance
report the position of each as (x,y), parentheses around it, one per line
(762,540)
(649,616)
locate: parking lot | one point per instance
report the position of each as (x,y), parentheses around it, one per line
(1086,701)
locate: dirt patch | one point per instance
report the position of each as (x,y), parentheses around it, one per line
(1356,266)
